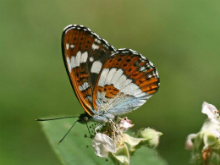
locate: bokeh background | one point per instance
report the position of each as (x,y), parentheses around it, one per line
(180,37)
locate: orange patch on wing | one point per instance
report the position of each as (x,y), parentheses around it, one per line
(83,75)
(149,87)
(72,37)
(78,38)
(82,41)
(140,80)
(150,70)
(86,92)
(81,94)
(151,92)
(146,82)
(113,62)
(129,66)
(109,90)
(136,74)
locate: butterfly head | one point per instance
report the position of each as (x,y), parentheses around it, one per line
(84,118)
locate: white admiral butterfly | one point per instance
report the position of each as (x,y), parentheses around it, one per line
(106,81)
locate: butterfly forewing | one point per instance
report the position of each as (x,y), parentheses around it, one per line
(84,54)
(126,81)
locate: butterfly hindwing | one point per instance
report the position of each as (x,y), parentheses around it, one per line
(84,54)
(126,81)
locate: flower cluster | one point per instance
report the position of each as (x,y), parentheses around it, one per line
(113,142)
(205,145)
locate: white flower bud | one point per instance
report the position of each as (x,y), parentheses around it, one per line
(125,124)
(211,111)
(103,144)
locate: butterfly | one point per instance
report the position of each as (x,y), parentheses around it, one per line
(108,82)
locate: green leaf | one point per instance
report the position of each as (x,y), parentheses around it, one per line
(76,149)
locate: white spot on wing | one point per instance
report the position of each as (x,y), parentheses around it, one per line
(84,86)
(67,27)
(131,89)
(106,42)
(67,46)
(149,76)
(77,59)
(98,41)
(91,59)
(151,63)
(80,88)
(137,92)
(122,49)
(103,77)
(140,103)
(128,81)
(96,67)
(72,61)
(72,46)
(119,84)
(143,56)
(84,57)
(140,94)
(116,76)
(157,73)
(110,75)
(141,68)
(125,51)
(94,46)
(89,98)
(69,64)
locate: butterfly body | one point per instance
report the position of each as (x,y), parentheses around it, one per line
(106,81)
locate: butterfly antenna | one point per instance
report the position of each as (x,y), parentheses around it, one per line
(56,118)
(68,132)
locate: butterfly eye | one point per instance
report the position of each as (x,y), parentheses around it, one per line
(85,119)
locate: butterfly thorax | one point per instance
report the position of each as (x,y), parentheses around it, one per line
(103,118)
(100,118)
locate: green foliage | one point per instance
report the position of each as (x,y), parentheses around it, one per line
(76,149)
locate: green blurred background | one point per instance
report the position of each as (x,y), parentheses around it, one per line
(181,37)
